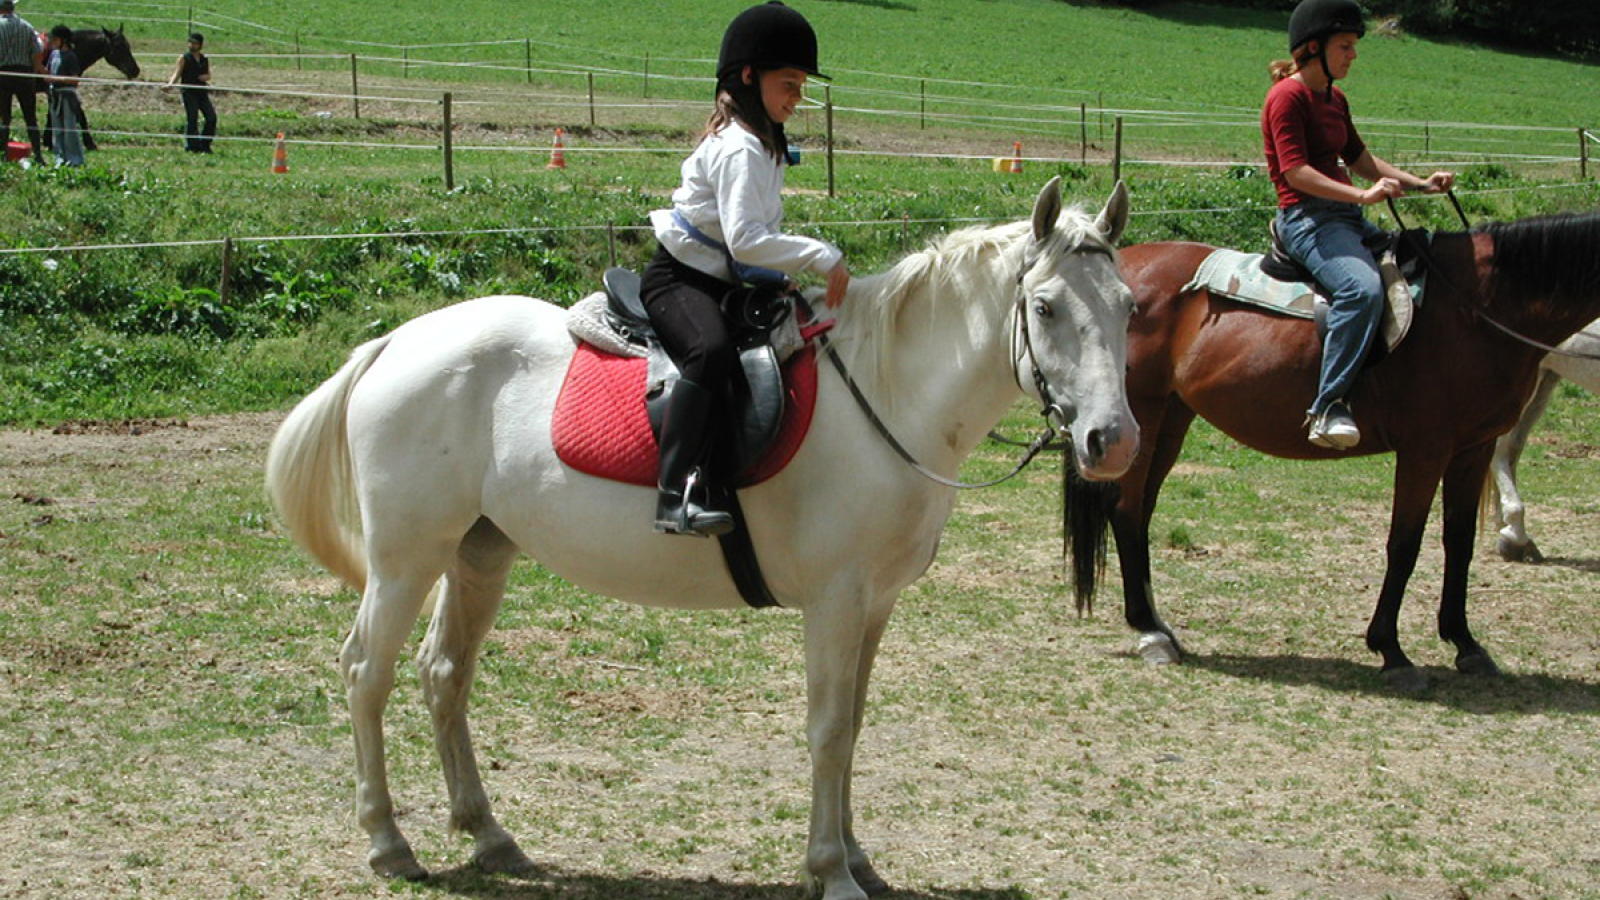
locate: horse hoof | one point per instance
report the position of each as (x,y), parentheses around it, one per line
(868,880)
(1159,649)
(1478,663)
(1511,551)
(1405,679)
(398,863)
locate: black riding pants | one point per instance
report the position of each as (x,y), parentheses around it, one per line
(25,92)
(684,306)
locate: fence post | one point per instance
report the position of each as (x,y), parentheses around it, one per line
(922,116)
(527,58)
(355,88)
(449,152)
(1083,134)
(1583,153)
(827,118)
(405,62)
(1116,155)
(297,59)
(591,99)
(227,266)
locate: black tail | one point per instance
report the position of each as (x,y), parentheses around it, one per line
(1085,514)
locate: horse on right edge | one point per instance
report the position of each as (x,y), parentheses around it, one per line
(1498,297)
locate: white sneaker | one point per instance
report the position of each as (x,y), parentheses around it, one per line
(1335,428)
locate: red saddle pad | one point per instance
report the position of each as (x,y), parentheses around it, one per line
(601,428)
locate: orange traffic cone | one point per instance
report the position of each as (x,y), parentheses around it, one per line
(280,157)
(558,159)
(1016,158)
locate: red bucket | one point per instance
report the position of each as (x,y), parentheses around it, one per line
(16,150)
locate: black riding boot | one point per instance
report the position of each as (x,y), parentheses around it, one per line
(683,434)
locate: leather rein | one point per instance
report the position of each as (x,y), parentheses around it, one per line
(1053,413)
(1480,312)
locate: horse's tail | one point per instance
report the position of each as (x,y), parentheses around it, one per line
(1086,512)
(310,478)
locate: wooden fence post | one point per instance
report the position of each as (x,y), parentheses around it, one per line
(1116,154)
(527,58)
(591,99)
(227,266)
(355,87)
(1583,153)
(827,118)
(449,152)
(1083,134)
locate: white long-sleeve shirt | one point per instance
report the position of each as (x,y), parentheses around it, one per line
(732,191)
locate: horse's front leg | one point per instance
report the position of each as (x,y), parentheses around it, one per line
(1415,481)
(1130,527)
(1463,482)
(835,635)
(446,665)
(860,866)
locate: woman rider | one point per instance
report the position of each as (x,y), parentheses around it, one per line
(1310,140)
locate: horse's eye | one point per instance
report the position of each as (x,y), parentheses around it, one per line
(1041,308)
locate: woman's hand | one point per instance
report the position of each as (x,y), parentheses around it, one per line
(1439,183)
(1382,189)
(838,283)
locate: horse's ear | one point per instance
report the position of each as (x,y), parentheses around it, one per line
(1047,209)
(1114,218)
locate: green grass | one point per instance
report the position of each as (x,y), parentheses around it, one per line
(148,332)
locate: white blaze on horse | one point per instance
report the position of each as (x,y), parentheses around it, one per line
(426,465)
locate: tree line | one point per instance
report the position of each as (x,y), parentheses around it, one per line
(1567,28)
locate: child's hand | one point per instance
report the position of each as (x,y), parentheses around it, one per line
(838,283)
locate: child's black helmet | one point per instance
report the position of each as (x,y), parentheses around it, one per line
(1316,20)
(769,36)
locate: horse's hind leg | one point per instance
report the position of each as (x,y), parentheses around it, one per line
(389,607)
(1514,544)
(446,664)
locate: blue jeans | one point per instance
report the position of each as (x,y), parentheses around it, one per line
(1326,237)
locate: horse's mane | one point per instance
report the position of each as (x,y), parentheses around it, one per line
(950,263)
(1545,258)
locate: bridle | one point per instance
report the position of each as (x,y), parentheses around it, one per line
(1053,413)
(1480,312)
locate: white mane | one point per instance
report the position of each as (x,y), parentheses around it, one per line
(950,268)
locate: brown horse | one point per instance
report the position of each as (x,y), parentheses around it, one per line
(1438,401)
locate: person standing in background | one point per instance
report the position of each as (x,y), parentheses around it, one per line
(192,74)
(21,59)
(64,70)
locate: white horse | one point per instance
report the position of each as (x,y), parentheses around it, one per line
(1514,544)
(425,465)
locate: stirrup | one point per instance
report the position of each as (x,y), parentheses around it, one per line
(676,513)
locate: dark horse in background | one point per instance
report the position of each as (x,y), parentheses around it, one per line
(93,45)
(1438,401)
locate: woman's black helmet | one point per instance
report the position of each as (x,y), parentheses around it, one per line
(769,36)
(1316,20)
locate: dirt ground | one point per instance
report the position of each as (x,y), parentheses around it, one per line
(1012,751)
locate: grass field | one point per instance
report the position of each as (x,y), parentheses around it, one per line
(171,717)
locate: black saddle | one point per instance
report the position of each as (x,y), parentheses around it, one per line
(753,401)
(1278,264)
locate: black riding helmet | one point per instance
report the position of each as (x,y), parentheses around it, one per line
(1318,20)
(769,36)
